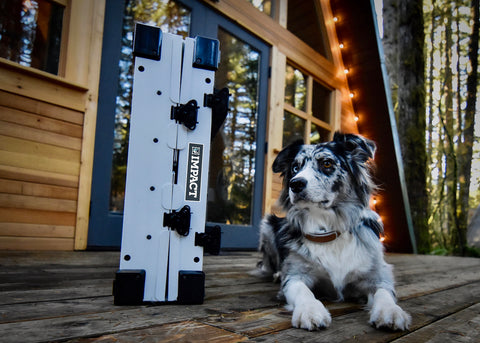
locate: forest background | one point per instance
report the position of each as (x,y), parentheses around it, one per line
(431,51)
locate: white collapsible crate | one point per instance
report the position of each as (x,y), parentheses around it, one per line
(167,171)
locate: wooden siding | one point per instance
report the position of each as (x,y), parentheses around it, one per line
(41,128)
(47,130)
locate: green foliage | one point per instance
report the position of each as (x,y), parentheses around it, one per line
(472,251)
(448,33)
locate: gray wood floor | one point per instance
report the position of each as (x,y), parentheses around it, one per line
(66,296)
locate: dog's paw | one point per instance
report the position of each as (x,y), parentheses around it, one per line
(310,316)
(390,316)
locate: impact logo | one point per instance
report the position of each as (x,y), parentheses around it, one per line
(194,172)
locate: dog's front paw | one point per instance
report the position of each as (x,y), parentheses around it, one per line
(310,316)
(390,316)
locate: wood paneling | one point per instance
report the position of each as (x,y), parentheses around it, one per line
(38,176)
(47,130)
(36,230)
(39,85)
(40,150)
(44,109)
(35,243)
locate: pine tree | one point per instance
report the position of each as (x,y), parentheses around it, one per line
(404,45)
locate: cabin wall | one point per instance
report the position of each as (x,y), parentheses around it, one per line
(47,122)
(47,126)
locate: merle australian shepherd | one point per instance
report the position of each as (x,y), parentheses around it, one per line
(327,246)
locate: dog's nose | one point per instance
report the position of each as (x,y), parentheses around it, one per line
(298,185)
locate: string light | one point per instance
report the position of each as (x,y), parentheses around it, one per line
(356,118)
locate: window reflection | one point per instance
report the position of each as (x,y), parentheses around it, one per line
(305,20)
(293,128)
(171,17)
(321,102)
(31,33)
(232,159)
(295,88)
(318,134)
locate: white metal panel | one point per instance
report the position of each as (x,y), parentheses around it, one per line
(149,171)
(151,190)
(184,255)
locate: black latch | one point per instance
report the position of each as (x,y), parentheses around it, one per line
(210,240)
(178,221)
(185,114)
(218,102)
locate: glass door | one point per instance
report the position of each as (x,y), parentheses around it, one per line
(237,152)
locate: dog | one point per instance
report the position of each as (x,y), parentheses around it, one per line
(327,246)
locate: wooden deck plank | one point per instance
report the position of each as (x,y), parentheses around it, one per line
(52,296)
(76,289)
(463,326)
(354,327)
(187,331)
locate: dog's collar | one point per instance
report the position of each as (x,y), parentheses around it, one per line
(323,237)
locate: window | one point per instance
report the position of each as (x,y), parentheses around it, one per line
(305,20)
(171,17)
(31,33)
(307,109)
(233,151)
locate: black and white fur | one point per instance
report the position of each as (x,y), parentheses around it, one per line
(327,187)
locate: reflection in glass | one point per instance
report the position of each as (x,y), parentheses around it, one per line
(318,134)
(31,33)
(305,20)
(264,6)
(171,17)
(295,88)
(232,159)
(321,102)
(293,128)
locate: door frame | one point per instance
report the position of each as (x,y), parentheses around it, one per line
(100,214)
(105,227)
(240,236)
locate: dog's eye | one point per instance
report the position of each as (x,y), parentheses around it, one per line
(327,164)
(295,168)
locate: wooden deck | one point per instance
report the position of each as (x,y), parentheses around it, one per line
(60,296)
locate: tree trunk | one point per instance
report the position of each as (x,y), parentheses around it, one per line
(450,154)
(404,43)
(466,146)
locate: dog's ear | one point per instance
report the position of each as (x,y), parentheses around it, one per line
(359,147)
(286,156)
